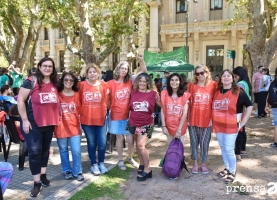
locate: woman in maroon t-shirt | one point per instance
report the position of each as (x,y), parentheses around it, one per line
(142,103)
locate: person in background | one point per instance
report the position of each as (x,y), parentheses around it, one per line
(216,78)
(68,132)
(39,109)
(4,79)
(274,109)
(164,79)
(202,90)
(17,77)
(120,90)
(228,104)
(255,85)
(94,103)
(6,91)
(158,83)
(6,172)
(243,82)
(151,76)
(263,93)
(141,122)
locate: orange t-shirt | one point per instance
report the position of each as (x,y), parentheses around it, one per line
(200,109)
(225,112)
(173,111)
(94,101)
(70,124)
(120,94)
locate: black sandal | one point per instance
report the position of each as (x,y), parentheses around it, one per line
(140,169)
(143,176)
(223,173)
(230,178)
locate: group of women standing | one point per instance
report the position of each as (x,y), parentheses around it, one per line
(128,102)
(213,107)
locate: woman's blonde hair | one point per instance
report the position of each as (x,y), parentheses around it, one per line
(117,69)
(206,70)
(93,65)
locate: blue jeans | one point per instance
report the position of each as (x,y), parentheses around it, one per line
(96,137)
(75,146)
(227,146)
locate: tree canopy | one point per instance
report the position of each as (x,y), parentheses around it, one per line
(262,29)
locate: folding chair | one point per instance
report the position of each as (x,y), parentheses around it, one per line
(13,134)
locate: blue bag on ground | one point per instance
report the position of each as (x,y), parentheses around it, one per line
(174,160)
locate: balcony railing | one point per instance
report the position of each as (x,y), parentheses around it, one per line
(59,41)
(200,26)
(44,43)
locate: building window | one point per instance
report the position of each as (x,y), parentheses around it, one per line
(46,37)
(46,54)
(215,4)
(136,25)
(181,6)
(61,61)
(215,59)
(60,33)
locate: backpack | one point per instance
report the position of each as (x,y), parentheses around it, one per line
(272,93)
(174,159)
(268,84)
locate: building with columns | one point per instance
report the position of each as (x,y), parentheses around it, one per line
(207,37)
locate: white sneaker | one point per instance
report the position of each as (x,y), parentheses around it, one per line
(103,168)
(256,112)
(95,170)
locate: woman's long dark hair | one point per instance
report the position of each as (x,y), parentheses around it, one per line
(40,77)
(243,76)
(181,88)
(234,87)
(75,83)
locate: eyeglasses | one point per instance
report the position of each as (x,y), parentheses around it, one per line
(68,80)
(47,66)
(199,73)
(123,69)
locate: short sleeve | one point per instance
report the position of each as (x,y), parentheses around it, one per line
(27,84)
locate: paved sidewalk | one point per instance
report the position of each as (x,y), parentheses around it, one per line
(60,189)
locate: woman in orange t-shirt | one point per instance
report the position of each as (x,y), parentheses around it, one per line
(174,109)
(68,131)
(94,102)
(202,90)
(120,90)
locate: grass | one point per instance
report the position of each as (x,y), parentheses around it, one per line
(107,185)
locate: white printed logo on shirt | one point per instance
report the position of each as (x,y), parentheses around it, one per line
(202,98)
(68,108)
(47,97)
(92,96)
(141,106)
(122,94)
(173,109)
(221,104)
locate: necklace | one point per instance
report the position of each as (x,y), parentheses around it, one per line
(143,91)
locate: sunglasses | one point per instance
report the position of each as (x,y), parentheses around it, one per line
(70,80)
(198,73)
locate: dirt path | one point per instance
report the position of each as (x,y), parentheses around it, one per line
(255,171)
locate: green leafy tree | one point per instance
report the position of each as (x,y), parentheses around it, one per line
(85,23)
(262,29)
(20,22)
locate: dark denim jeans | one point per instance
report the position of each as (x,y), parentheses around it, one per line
(96,137)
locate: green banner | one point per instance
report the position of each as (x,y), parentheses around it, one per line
(173,61)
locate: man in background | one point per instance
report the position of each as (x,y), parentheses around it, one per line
(255,85)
